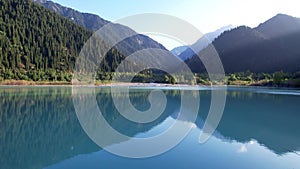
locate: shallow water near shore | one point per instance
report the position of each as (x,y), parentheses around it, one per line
(259,129)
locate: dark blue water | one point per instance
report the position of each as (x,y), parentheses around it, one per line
(260,128)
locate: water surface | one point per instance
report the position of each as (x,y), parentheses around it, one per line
(260,128)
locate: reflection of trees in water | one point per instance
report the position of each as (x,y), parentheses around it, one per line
(39,127)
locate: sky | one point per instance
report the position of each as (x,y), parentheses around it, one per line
(206,15)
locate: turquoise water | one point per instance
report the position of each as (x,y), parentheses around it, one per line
(260,128)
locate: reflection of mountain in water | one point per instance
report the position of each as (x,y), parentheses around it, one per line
(39,126)
(139,99)
(272,120)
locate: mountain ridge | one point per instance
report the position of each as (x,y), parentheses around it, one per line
(94,22)
(186,52)
(250,49)
(39,45)
(285,24)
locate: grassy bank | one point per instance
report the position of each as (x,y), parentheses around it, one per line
(277,79)
(32,83)
(265,83)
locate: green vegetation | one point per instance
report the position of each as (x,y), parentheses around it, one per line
(277,79)
(36,44)
(39,45)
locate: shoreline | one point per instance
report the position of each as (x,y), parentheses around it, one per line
(25,83)
(97,84)
(33,83)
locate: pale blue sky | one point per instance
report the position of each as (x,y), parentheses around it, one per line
(206,15)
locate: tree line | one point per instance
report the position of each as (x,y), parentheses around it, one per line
(37,44)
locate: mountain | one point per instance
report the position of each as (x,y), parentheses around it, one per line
(38,44)
(213,35)
(178,50)
(284,25)
(89,21)
(185,52)
(270,47)
(94,22)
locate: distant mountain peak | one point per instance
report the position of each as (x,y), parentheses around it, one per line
(279,25)
(213,35)
(282,15)
(281,18)
(186,52)
(270,47)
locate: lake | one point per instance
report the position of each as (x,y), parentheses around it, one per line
(260,128)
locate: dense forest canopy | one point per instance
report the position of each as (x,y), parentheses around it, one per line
(37,44)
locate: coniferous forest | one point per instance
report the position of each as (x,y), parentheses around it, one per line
(37,44)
